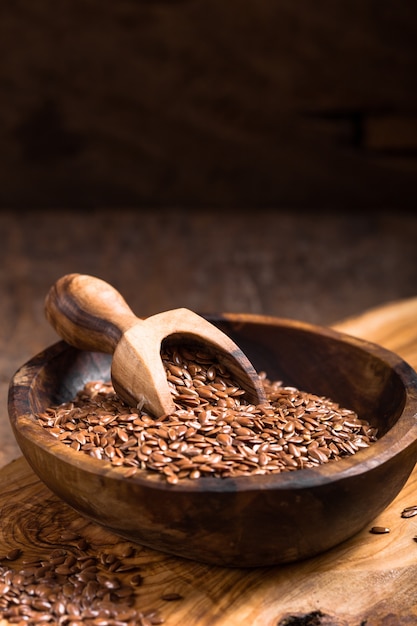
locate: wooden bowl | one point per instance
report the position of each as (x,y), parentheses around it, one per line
(244,521)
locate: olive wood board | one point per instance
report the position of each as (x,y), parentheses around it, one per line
(369,580)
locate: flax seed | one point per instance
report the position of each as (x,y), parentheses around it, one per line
(171,597)
(92,594)
(409,511)
(14,554)
(379,530)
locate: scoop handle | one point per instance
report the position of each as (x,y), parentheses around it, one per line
(88,313)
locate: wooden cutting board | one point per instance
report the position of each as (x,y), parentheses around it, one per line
(370,580)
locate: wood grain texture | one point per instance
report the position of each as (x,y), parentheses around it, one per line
(202,104)
(370,579)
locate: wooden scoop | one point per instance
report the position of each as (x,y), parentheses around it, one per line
(90,314)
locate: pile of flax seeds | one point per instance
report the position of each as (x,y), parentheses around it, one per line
(214,431)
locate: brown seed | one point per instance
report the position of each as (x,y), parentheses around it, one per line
(205,392)
(293,450)
(379,530)
(14,554)
(40,604)
(263,459)
(136,580)
(175,370)
(171,597)
(413,507)
(224,439)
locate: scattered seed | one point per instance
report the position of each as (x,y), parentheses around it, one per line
(171,597)
(91,595)
(379,530)
(14,554)
(409,511)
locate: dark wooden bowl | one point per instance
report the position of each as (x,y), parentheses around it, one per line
(245,521)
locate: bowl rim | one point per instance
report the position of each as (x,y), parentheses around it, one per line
(398,438)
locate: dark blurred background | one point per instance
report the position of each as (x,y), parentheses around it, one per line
(197,103)
(256,156)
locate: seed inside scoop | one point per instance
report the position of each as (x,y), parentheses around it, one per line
(213,431)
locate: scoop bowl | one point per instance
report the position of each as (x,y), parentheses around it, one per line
(241,521)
